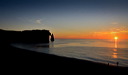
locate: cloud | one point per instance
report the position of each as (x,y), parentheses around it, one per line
(124,31)
(114,23)
(38,21)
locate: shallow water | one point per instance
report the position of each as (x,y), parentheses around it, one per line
(103,51)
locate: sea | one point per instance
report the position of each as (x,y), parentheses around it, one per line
(107,51)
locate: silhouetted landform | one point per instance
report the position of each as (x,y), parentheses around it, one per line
(52,37)
(26,36)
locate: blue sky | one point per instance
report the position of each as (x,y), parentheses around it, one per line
(65,17)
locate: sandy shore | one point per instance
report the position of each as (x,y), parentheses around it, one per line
(20,58)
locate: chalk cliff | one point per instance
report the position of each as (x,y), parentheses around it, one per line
(26,36)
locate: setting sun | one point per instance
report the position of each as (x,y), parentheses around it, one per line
(115,37)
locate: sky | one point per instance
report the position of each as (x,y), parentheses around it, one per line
(70,19)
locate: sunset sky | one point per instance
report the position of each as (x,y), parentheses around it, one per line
(74,19)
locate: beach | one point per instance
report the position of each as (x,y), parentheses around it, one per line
(15,58)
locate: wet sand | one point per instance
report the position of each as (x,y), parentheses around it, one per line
(15,58)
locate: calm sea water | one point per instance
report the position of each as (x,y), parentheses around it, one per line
(103,51)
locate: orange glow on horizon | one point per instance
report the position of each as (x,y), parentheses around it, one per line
(101,35)
(89,37)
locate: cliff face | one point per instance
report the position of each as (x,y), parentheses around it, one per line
(26,36)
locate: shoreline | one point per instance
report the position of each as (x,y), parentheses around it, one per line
(28,59)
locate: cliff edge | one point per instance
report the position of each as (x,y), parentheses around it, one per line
(26,36)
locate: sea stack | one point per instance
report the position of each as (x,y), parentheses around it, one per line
(52,38)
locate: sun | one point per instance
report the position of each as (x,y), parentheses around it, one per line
(115,37)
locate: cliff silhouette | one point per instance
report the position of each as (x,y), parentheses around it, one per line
(26,36)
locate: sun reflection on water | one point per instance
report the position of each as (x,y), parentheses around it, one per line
(115,54)
(116,38)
